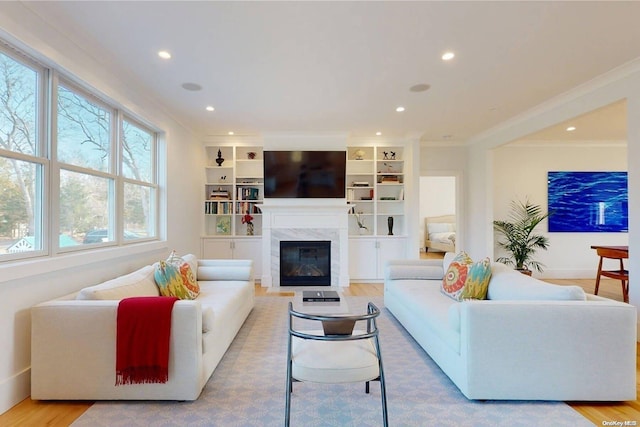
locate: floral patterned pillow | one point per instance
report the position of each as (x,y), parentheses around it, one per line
(169,281)
(186,273)
(466,279)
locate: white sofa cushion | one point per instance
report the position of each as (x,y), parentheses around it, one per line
(409,272)
(415,295)
(136,284)
(208,317)
(508,284)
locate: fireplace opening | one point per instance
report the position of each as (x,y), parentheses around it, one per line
(305,263)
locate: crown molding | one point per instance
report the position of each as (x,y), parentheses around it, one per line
(621,72)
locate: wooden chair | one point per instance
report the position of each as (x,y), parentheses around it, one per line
(621,274)
(335,354)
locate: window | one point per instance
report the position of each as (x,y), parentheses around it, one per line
(101,161)
(137,160)
(21,166)
(84,131)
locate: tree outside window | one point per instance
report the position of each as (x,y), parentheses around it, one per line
(90,179)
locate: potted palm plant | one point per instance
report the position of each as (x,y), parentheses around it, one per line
(518,238)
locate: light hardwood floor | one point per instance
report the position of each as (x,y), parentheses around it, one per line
(61,414)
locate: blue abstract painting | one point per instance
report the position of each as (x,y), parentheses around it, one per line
(588,202)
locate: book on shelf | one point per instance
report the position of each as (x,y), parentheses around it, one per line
(248,193)
(247,207)
(219,194)
(320,296)
(360,184)
(390,178)
(214,207)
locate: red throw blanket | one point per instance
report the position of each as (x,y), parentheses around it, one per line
(142,340)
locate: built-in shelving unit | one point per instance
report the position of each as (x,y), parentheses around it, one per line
(375,189)
(234,187)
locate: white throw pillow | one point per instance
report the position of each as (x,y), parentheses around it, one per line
(140,283)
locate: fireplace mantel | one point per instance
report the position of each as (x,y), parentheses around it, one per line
(312,220)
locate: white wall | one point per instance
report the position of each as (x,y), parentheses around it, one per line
(437,195)
(622,83)
(520,172)
(25,284)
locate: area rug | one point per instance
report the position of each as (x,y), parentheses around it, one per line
(248,389)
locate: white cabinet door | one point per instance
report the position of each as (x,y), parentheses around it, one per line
(390,248)
(217,249)
(250,249)
(367,256)
(362,256)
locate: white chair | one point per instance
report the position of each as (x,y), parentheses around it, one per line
(335,354)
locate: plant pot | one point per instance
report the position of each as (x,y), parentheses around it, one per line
(524,271)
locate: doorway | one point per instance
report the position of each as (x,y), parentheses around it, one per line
(438,199)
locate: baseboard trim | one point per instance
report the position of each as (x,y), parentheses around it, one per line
(15,389)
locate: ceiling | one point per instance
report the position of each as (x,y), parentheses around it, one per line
(316,67)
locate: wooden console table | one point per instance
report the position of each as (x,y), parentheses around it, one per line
(613,252)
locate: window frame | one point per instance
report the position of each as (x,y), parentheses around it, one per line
(152,185)
(39,158)
(48,168)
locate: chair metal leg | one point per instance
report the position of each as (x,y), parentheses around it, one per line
(287,406)
(289,388)
(366,387)
(383,396)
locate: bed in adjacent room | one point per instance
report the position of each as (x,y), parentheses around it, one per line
(440,233)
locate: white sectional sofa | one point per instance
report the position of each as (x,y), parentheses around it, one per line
(73,338)
(528,341)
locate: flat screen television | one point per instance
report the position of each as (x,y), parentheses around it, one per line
(305,174)
(588,202)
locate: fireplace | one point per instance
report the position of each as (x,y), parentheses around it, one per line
(305,263)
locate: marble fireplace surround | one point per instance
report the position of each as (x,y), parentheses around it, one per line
(313,220)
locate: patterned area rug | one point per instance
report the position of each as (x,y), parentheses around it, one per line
(248,389)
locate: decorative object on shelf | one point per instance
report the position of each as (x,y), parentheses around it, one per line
(390,225)
(520,241)
(223,225)
(389,155)
(362,229)
(220,159)
(251,155)
(247,219)
(359,154)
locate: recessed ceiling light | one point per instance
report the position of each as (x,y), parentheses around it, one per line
(378,133)
(194,87)
(447,56)
(400,109)
(230,132)
(421,87)
(164,54)
(571,128)
(210,108)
